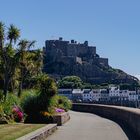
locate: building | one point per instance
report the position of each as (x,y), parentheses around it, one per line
(124,95)
(66,92)
(96,95)
(133,96)
(77,95)
(114,94)
(87,95)
(104,95)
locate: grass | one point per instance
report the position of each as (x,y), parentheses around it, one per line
(13,131)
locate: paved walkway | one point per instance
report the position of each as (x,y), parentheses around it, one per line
(86,126)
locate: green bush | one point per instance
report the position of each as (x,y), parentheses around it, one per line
(29,104)
(33,104)
(11,100)
(27,94)
(70,82)
(64,103)
(7,105)
(33,107)
(1,97)
(53,103)
(59,102)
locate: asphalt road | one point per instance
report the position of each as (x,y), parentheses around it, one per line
(86,126)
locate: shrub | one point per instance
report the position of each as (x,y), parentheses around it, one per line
(34,104)
(36,110)
(47,86)
(27,94)
(39,107)
(30,105)
(1,97)
(8,104)
(64,103)
(70,82)
(60,102)
(6,107)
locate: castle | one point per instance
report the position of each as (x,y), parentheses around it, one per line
(65,58)
(73,52)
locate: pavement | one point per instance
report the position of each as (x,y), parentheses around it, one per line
(87,126)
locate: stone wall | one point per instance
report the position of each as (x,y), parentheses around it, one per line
(103,61)
(128,116)
(60,119)
(69,49)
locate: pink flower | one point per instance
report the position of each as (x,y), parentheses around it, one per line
(59,110)
(20,116)
(15,109)
(17,113)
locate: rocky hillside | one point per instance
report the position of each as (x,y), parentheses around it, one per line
(95,74)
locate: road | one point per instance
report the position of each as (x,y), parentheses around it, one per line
(86,126)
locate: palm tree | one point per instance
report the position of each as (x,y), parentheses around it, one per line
(9,56)
(24,46)
(2,29)
(38,61)
(13,34)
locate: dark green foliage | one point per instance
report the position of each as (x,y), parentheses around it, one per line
(59,102)
(30,104)
(47,86)
(131,87)
(70,82)
(64,103)
(38,119)
(26,94)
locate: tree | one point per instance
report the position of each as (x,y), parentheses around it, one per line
(30,63)
(16,58)
(70,82)
(13,34)
(9,57)
(24,46)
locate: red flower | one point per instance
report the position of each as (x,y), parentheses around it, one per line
(17,113)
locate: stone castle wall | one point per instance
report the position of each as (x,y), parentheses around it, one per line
(69,49)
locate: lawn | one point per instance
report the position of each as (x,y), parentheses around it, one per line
(13,131)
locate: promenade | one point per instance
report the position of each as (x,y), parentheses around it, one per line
(86,126)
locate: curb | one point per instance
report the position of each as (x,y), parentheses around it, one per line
(40,133)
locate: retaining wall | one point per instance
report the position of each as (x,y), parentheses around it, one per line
(40,134)
(60,119)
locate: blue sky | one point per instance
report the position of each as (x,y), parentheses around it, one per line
(113,26)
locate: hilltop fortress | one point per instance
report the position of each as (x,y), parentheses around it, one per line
(63,58)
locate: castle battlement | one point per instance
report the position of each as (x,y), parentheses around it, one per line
(70,48)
